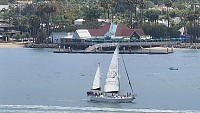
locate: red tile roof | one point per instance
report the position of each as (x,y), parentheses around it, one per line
(101,31)
(122,30)
(139,32)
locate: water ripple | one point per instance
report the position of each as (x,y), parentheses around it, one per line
(66,109)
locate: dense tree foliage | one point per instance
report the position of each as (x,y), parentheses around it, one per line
(152,15)
(3,2)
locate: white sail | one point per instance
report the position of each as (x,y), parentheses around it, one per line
(112,84)
(112,81)
(96,82)
(182,30)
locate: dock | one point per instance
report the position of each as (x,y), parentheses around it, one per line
(108,48)
(111,52)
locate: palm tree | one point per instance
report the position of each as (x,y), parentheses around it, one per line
(152,15)
(141,11)
(106,4)
(34,24)
(45,13)
(5,13)
(49,10)
(168,4)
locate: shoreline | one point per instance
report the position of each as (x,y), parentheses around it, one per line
(22,45)
(12,45)
(165,48)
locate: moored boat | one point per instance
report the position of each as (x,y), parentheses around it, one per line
(173,68)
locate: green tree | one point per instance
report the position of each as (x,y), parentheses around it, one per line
(180,6)
(148,4)
(3,2)
(194,31)
(11,1)
(173,32)
(106,7)
(28,10)
(174,13)
(5,14)
(91,13)
(154,30)
(45,12)
(34,25)
(152,15)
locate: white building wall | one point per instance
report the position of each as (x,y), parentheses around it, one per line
(78,22)
(58,35)
(4,7)
(81,34)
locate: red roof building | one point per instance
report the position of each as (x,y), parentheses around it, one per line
(121,30)
(138,32)
(101,31)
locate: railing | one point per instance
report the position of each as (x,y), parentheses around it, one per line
(95,47)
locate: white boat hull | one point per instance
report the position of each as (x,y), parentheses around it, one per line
(111,99)
(111,91)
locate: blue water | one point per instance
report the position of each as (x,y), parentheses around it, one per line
(38,81)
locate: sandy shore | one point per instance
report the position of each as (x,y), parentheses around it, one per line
(165,49)
(21,45)
(157,48)
(11,45)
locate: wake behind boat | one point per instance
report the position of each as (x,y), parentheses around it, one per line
(111,91)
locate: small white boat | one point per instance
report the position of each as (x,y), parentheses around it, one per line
(111,91)
(173,68)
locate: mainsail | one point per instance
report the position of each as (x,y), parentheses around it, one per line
(112,84)
(96,82)
(112,81)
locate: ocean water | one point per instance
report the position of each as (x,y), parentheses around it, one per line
(40,81)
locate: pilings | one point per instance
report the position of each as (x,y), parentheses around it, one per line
(123,50)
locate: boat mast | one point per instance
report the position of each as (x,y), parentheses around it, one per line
(118,67)
(129,81)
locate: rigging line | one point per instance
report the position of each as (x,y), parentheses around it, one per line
(127,74)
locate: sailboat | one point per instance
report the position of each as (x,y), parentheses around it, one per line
(96,83)
(111,91)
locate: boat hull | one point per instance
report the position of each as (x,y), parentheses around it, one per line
(173,68)
(112,99)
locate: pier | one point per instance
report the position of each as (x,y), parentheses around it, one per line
(91,46)
(143,51)
(111,52)
(125,48)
